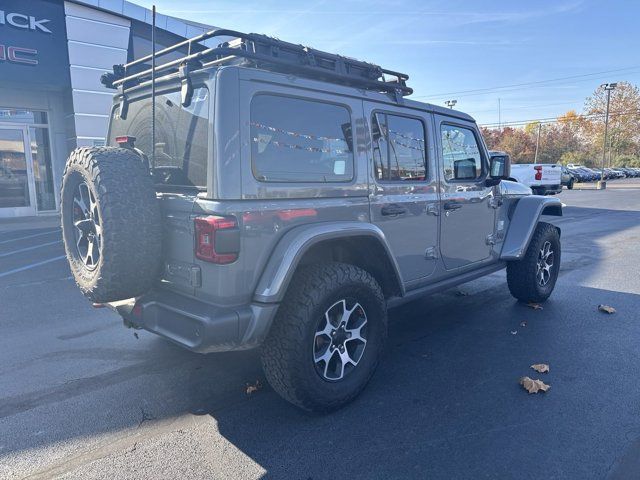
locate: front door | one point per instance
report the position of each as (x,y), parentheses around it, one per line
(404,194)
(468,218)
(17,192)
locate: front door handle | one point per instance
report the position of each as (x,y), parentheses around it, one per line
(452,206)
(393,209)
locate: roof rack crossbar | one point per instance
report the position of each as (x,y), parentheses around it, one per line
(263,50)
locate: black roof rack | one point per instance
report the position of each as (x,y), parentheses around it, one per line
(260,51)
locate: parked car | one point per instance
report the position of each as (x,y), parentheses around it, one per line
(332,153)
(630,172)
(595,174)
(578,175)
(582,173)
(567,178)
(543,179)
(616,173)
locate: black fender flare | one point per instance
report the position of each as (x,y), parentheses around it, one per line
(524,219)
(287,254)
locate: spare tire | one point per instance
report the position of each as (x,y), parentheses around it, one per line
(111,223)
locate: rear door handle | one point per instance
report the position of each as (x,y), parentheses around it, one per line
(393,209)
(452,206)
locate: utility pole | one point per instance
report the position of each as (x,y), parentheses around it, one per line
(535,159)
(451,103)
(608,87)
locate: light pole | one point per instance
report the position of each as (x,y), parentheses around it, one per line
(451,103)
(608,87)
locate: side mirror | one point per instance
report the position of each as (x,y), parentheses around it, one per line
(465,169)
(499,169)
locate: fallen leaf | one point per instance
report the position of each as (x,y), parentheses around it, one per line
(460,293)
(541,367)
(523,324)
(251,388)
(606,309)
(534,386)
(135,334)
(535,306)
(514,332)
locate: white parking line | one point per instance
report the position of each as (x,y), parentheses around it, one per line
(33,265)
(29,236)
(26,249)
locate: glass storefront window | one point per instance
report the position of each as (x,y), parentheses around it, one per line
(14,183)
(18,115)
(26,175)
(42,174)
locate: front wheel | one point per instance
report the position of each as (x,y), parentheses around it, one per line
(327,337)
(533,278)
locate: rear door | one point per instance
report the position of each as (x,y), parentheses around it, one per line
(404,198)
(468,217)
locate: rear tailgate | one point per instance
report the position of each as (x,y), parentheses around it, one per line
(551,174)
(180,273)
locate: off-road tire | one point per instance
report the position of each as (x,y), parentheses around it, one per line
(129,214)
(521,274)
(287,353)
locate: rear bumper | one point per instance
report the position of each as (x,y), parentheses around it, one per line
(196,325)
(549,188)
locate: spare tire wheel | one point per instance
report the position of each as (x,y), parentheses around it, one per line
(111,223)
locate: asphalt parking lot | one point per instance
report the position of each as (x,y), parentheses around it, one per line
(82,397)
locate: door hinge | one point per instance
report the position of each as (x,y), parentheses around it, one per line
(431,253)
(495,202)
(491,239)
(433,209)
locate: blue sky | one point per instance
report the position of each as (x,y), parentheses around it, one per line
(451,47)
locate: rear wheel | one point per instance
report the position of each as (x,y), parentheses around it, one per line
(570,184)
(327,337)
(111,223)
(533,278)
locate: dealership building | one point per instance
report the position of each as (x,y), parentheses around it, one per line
(52,54)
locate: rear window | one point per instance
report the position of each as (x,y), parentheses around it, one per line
(398,148)
(182,136)
(294,140)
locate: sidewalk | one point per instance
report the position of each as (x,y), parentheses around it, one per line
(611,184)
(15,224)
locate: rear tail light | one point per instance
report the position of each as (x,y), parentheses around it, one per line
(538,169)
(125,141)
(217,239)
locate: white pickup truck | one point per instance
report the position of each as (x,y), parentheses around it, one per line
(543,178)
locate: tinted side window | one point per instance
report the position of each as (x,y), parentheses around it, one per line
(182,136)
(461,153)
(398,148)
(294,140)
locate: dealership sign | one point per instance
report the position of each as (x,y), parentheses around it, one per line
(33,43)
(20,20)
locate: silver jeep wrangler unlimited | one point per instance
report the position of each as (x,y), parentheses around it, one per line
(265,194)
